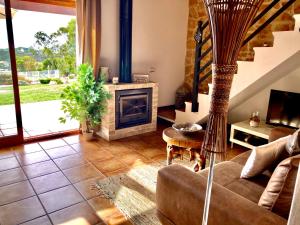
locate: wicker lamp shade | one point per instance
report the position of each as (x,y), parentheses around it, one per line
(229,22)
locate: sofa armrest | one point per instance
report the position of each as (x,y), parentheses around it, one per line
(180,196)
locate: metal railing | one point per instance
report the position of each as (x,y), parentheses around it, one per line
(201,41)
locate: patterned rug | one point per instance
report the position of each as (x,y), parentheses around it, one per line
(133,193)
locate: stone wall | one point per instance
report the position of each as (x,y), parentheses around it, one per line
(265,38)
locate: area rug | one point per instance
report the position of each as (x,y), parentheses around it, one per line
(133,193)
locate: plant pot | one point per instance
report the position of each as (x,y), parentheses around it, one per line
(89,136)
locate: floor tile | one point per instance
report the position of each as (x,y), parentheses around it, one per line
(70,161)
(60,152)
(151,152)
(44,220)
(99,155)
(8,163)
(81,213)
(119,149)
(107,211)
(86,146)
(21,211)
(108,166)
(60,198)
(49,182)
(87,189)
(9,132)
(15,192)
(11,176)
(134,159)
(80,173)
(28,148)
(39,169)
(4,154)
(52,143)
(73,139)
(27,159)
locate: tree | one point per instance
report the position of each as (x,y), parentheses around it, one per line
(26,63)
(58,48)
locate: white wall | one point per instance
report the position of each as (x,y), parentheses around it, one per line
(259,102)
(159,41)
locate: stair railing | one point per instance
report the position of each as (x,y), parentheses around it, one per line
(200,42)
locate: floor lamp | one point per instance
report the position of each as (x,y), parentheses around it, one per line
(229,22)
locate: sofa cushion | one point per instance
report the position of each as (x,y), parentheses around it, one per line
(227,174)
(279,192)
(241,158)
(264,157)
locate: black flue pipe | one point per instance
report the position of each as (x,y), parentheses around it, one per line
(125,40)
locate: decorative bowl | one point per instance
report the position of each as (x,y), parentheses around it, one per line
(187,128)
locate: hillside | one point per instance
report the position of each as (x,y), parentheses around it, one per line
(20,51)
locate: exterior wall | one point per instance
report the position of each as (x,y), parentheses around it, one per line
(265,38)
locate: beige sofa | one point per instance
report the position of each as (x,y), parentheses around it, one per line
(180,195)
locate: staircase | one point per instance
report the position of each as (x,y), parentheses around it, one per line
(269,65)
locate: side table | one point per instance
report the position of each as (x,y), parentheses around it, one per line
(177,143)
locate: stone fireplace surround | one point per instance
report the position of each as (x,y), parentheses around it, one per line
(108,129)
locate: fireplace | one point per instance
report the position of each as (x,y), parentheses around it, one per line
(133,107)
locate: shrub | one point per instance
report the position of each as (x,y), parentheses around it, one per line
(5,79)
(57,80)
(71,76)
(23,82)
(45,81)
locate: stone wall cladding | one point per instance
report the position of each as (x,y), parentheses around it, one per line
(284,22)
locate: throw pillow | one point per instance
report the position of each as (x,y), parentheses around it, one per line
(263,157)
(278,194)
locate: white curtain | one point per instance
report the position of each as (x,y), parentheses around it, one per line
(88,13)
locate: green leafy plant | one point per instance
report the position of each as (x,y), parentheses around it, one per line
(85,99)
(45,81)
(57,80)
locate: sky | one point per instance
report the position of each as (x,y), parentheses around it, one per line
(27,23)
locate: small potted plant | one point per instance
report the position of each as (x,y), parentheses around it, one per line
(85,100)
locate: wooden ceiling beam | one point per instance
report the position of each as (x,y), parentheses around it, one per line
(63,3)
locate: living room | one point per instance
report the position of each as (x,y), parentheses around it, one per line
(179,124)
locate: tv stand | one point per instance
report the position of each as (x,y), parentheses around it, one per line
(243,134)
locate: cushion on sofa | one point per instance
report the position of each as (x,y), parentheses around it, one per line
(241,158)
(227,174)
(264,156)
(278,194)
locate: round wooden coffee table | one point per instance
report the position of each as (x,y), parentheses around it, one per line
(177,143)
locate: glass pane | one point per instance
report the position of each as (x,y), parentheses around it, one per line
(45,56)
(8,125)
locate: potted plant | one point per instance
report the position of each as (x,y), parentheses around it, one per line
(85,100)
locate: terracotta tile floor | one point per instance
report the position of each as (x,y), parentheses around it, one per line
(50,182)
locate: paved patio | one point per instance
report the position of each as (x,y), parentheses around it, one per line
(38,118)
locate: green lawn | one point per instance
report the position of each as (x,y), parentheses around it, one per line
(32,93)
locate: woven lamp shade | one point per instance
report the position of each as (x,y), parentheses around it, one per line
(229,22)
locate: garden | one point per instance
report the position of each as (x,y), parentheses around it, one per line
(32,93)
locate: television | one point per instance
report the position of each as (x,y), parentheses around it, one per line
(284,109)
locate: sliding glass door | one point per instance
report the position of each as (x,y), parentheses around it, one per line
(10,111)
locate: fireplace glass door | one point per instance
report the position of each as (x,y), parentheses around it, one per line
(133,107)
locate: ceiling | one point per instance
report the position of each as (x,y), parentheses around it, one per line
(64,3)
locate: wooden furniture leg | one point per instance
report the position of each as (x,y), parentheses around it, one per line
(169,154)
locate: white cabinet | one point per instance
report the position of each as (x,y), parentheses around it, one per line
(241,132)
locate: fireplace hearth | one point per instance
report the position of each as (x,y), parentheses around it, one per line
(133,107)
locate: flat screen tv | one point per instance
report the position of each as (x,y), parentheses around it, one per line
(284,109)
